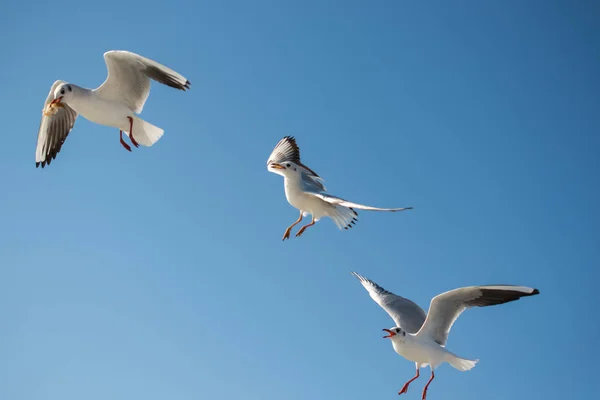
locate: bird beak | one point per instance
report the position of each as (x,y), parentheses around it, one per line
(390,333)
(57,100)
(277,166)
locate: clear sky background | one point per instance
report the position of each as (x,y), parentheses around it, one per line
(160,274)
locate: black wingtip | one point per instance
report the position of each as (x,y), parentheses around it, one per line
(535,291)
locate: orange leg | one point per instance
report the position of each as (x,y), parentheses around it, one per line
(426,386)
(286,235)
(405,387)
(301,231)
(131,132)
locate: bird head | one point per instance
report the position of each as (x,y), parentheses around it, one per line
(395,333)
(287,169)
(63,93)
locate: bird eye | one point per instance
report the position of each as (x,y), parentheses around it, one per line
(62,91)
(288,165)
(397,330)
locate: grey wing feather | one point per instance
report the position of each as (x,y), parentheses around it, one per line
(56,124)
(311,183)
(445,308)
(129,77)
(405,313)
(285,150)
(288,150)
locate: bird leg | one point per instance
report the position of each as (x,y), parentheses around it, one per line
(405,387)
(286,235)
(131,132)
(426,386)
(301,231)
(127,147)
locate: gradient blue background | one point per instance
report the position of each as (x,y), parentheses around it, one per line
(160,274)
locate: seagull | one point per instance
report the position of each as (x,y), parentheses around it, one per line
(115,103)
(305,191)
(421,337)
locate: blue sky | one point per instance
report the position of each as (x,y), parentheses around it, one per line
(160,274)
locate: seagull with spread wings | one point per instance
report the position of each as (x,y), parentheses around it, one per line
(421,337)
(305,191)
(115,103)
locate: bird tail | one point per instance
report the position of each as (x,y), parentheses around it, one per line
(343,217)
(461,364)
(145,133)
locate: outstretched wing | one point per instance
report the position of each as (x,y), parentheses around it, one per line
(405,313)
(345,203)
(445,308)
(57,122)
(129,77)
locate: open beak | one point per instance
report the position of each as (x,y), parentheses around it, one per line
(277,166)
(57,100)
(390,333)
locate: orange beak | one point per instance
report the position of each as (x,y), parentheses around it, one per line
(277,166)
(56,100)
(390,333)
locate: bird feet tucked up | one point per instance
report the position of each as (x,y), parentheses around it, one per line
(131,132)
(127,147)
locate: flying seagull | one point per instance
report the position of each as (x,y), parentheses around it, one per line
(421,337)
(115,103)
(305,191)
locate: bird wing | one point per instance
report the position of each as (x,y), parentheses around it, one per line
(287,150)
(311,183)
(445,308)
(405,313)
(57,122)
(129,77)
(345,203)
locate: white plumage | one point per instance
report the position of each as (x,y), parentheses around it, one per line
(114,103)
(304,190)
(421,337)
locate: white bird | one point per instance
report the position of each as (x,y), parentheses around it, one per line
(305,191)
(115,103)
(421,337)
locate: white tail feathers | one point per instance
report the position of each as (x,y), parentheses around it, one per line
(343,217)
(145,133)
(461,364)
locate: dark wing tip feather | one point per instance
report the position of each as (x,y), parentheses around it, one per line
(160,76)
(353,221)
(291,152)
(492,297)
